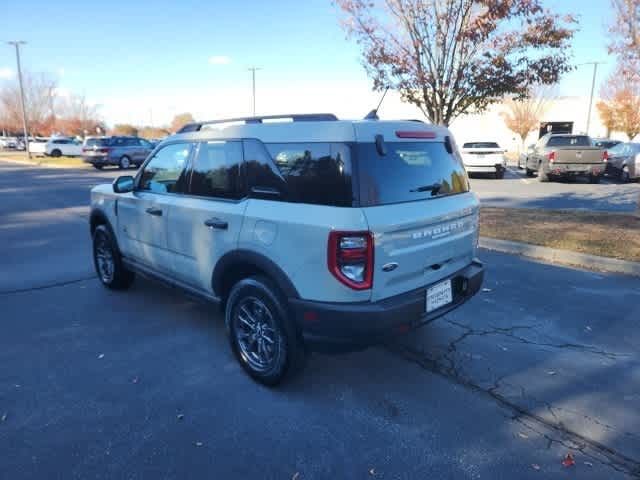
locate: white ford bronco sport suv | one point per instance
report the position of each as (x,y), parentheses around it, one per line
(311,234)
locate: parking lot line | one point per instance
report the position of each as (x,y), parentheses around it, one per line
(517,175)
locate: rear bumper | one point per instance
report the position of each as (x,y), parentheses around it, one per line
(97,160)
(352,326)
(575,169)
(498,167)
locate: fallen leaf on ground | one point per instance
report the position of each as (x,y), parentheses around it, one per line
(199,444)
(588,464)
(135,380)
(181,416)
(3,418)
(587,328)
(523,435)
(535,466)
(372,471)
(568,461)
(486,290)
(551,372)
(295,476)
(101,355)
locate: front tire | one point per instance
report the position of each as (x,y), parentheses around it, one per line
(125,163)
(108,261)
(56,153)
(262,335)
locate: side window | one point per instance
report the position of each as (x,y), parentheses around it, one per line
(216,170)
(262,173)
(317,173)
(118,142)
(166,171)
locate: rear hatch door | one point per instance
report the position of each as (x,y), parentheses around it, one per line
(479,154)
(417,203)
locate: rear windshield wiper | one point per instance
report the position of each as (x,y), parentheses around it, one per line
(434,188)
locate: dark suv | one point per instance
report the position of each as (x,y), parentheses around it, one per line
(121,151)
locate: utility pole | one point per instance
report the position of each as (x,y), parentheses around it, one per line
(253,86)
(593,86)
(24,111)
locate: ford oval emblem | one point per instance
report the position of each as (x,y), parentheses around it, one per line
(389,267)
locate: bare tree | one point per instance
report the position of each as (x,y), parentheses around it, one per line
(125,129)
(522,116)
(38,91)
(78,116)
(450,57)
(625,34)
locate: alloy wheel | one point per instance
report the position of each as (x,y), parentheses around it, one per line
(257,334)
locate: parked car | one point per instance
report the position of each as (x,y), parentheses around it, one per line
(58,146)
(37,146)
(8,142)
(522,158)
(124,152)
(310,234)
(563,155)
(604,143)
(624,161)
(484,157)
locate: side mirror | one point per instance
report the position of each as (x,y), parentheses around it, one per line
(123,184)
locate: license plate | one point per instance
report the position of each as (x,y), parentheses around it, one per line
(439,295)
(480,155)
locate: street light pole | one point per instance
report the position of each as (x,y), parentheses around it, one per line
(253,86)
(593,86)
(17,44)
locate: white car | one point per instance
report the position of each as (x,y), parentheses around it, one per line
(57,147)
(484,157)
(312,234)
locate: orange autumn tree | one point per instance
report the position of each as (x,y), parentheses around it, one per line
(451,57)
(620,105)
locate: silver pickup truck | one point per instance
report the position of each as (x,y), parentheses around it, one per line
(563,155)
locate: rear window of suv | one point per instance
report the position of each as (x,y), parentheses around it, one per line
(409,171)
(97,142)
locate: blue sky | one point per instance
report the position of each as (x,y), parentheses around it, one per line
(143,60)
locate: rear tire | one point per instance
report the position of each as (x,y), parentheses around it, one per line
(262,335)
(529,172)
(125,163)
(624,174)
(499,174)
(594,178)
(542,176)
(56,153)
(108,261)
(97,167)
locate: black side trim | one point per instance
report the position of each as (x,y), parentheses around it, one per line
(170,282)
(240,256)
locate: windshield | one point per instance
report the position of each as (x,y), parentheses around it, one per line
(481,145)
(409,171)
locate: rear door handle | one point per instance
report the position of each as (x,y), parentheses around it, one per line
(216,223)
(154,211)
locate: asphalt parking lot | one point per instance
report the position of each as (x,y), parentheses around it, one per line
(516,190)
(142,384)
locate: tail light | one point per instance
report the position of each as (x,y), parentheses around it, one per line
(350,258)
(84,149)
(605,156)
(551,156)
(103,150)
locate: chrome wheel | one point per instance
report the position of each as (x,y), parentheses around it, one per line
(104,260)
(259,341)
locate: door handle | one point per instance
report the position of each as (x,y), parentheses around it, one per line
(216,223)
(154,211)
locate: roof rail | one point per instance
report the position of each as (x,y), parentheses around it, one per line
(295,117)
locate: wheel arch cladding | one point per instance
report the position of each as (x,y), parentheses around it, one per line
(239,264)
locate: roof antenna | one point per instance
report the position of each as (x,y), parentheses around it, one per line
(373,114)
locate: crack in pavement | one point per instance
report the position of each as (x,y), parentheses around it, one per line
(595,450)
(49,285)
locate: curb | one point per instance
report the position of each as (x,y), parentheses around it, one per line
(41,165)
(565,257)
